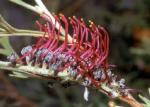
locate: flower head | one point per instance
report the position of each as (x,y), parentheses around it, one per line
(85,53)
(84,56)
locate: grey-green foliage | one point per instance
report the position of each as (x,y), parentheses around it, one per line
(7,49)
(145,100)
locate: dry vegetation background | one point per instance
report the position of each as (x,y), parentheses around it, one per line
(128,23)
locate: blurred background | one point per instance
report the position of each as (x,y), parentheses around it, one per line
(128,23)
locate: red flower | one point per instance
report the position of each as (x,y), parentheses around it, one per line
(85,55)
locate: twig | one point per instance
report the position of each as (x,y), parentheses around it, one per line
(41,73)
(131,101)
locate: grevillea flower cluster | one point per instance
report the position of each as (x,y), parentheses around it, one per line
(85,56)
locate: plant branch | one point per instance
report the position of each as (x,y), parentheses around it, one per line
(42,73)
(131,101)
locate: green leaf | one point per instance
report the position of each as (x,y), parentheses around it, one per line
(19,75)
(145,100)
(7,49)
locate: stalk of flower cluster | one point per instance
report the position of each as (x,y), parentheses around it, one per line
(34,72)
